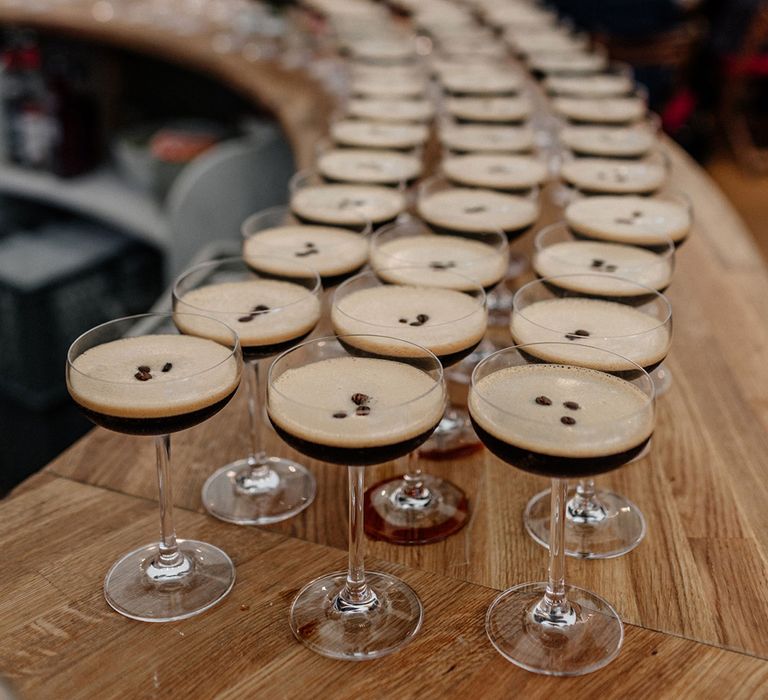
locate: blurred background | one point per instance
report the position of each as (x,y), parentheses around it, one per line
(115,165)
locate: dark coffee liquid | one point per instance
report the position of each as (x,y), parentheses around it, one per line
(424,363)
(556,467)
(261,352)
(353,456)
(155,426)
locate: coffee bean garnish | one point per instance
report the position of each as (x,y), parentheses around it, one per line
(144,369)
(572,405)
(422,318)
(610,268)
(596,262)
(245,319)
(543,401)
(305,253)
(442,265)
(363,410)
(402,320)
(584,334)
(260,309)
(142,376)
(340,414)
(637,213)
(479,209)
(360,399)
(167,367)
(567,420)
(570,336)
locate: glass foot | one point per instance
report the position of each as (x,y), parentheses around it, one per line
(583,641)
(662,380)
(440,511)
(617,528)
(356,633)
(138,589)
(453,437)
(237,495)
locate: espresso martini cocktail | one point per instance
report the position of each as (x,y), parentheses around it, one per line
(416,507)
(138,375)
(562,420)
(330,401)
(270,315)
(568,327)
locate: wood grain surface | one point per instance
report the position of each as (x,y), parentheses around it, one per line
(692,593)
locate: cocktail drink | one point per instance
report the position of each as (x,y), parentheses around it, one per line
(600,265)
(355,401)
(270,314)
(568,312)
(273,235)
(561,420)
(138,375)
(449,320)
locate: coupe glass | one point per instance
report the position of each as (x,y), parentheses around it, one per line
(258,489)
(156,383)
(344,255)
(562,420)
(416,508)
(599,524)
(356,400)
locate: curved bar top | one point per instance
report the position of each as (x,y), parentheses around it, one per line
(692,594)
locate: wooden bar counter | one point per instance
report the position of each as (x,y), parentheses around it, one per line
(692,595)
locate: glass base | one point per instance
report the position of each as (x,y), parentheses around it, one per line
(230,494)
(386,624)
(136,588)
(440,511)
(662,380)
(617,528)
(585,640)
(453,437)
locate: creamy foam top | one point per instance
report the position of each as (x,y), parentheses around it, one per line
(454,320)
(345,204)
(292,310)
(202,372)
(608,110)
(369,167)
(482,80)
(462,209)
(425,259)
(489,109)
(479,137)
(391,110)
(367,85)
(613,416)
(589,85)
(567,63)
(613,326)
(631,141)
(640,220)
(327,250)
(495,171)
(404,402)
(604,262)
(374,134)
(609,176)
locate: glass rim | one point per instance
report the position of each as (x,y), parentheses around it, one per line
(650,394)
(658,296)
(426,353)
(169,315)
(500,246)
(666,241)
(476,287)
(277,209)
(314,292)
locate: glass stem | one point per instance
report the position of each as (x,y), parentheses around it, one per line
(169,550)
(356,593)
(414,478)
(554,610)
(256,459)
